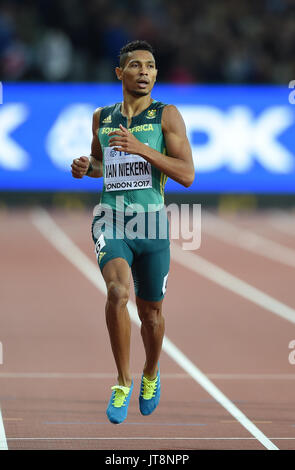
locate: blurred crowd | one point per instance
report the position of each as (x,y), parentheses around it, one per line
(196,41)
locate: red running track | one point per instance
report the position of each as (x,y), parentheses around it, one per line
(57,364)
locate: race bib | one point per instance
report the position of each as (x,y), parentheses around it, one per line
(124,170)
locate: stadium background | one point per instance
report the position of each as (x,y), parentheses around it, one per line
(227,65)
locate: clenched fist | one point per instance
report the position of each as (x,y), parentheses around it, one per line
(80,167)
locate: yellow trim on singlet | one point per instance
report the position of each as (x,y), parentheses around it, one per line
(163,181)
(163,178)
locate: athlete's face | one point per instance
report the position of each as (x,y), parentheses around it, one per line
(139,73)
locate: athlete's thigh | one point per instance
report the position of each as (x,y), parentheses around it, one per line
(150,274)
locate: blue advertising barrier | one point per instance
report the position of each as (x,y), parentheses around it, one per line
(242,137)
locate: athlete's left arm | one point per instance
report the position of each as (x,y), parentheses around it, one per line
(178,163)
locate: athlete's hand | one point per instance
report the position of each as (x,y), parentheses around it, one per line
(124,141)
(80,166)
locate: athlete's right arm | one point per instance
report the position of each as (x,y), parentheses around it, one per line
(91,165)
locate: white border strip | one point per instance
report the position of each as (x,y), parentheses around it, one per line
(143,438)
(166,376)
(81,375)
(50,230)
(3,441)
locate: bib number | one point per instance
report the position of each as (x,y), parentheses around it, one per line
(124,170)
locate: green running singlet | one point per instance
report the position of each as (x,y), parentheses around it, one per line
(131,176)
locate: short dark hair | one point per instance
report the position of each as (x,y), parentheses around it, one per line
(133,46)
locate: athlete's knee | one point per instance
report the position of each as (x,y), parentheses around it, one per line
(118,294)
(151,316)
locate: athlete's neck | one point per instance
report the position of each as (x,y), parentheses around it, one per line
(134,105)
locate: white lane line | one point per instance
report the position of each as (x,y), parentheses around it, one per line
(78,423)
(50,230)
(129,438)
(110,375)
(83,376)
(248,240)
(251,376)
(230,282)
(142,438)
(3,440)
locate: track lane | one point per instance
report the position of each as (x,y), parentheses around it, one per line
(271,277)
(200,406)
(278,227)
(268,352)
(52,336)
(200,377)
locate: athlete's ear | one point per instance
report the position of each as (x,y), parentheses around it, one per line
(119,72)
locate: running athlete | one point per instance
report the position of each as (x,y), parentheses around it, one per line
(136,146)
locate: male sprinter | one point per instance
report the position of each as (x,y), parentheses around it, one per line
(136,145)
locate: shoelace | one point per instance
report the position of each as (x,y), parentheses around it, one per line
(149,388)
(120,395)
